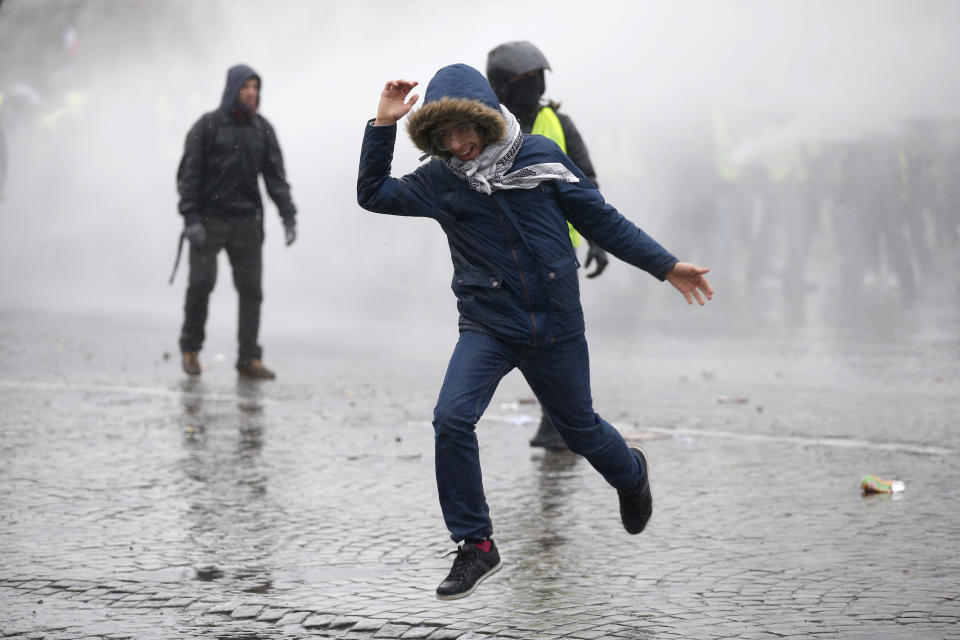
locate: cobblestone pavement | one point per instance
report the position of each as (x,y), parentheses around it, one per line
(137,504)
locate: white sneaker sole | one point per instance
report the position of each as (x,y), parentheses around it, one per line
(476,584)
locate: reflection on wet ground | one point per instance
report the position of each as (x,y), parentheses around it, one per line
(146,504)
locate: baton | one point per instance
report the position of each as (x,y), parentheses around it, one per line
(176,263)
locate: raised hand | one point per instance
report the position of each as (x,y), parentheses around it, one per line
(393,102)
(688,279)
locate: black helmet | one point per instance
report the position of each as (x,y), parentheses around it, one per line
(511,59)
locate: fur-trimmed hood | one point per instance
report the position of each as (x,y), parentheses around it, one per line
(457,92)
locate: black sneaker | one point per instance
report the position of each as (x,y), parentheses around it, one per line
(636,504)
(470,568)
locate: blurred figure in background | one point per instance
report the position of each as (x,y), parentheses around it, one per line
(225,153)
(871,231)
(919,172)
(789,206)
(19,114)
(3,155)
(945,199)
(726,225)
(515,72)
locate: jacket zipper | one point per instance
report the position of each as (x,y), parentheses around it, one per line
(523,281)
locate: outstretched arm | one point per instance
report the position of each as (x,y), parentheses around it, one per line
(690,281)
(393,102)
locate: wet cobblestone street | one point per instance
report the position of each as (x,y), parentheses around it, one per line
(135,503)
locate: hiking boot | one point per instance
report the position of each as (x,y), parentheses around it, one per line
(636,504)
(470,568)
(548,437)
(191,363)
(255,370)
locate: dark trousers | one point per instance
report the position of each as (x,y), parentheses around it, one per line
(243,241)
(559,376)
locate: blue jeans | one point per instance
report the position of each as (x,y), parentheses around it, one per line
(559,376)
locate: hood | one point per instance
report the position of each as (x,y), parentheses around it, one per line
(236,76)
(457,92)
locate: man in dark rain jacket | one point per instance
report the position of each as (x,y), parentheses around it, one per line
(226,151)
(515,72)
(504,198)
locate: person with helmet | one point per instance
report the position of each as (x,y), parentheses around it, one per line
(225,153)
(504,198)
(515,72)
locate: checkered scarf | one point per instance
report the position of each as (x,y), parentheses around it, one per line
(488,171)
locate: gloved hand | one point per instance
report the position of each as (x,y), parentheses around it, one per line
(290,230)
(598,255)
(195,233)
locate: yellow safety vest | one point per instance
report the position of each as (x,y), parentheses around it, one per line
(723,149)
(73,106)
(548,124)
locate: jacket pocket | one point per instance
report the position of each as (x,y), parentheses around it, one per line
(476,279)
(557,269)
(562,287)
(480,297)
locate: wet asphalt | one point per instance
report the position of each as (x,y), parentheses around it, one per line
(138,503)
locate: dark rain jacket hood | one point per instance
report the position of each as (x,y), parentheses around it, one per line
(236,76)
(457,92)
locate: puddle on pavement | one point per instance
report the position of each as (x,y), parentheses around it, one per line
(216,631)
(314,575)
(167,574)
(208,573)
(277,579)
(266,587)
